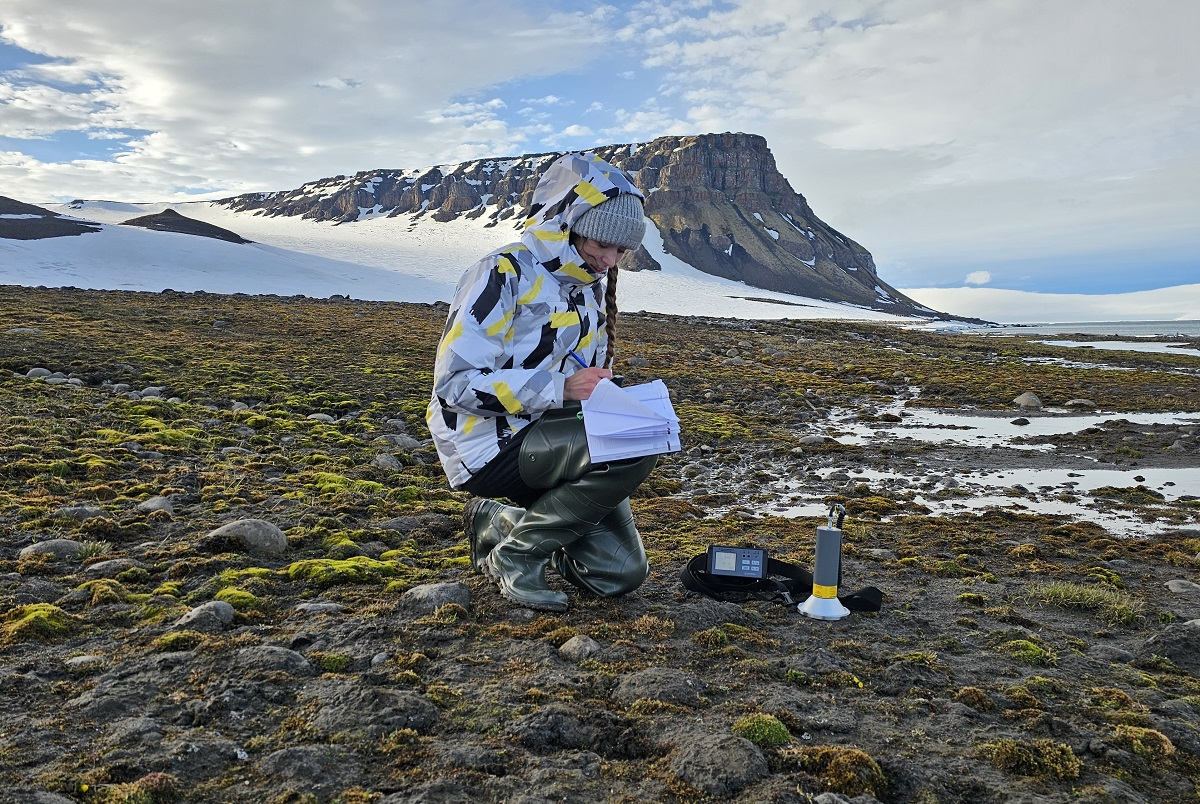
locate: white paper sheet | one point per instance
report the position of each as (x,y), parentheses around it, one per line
(630,422)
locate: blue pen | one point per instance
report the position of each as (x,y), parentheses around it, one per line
(578,359)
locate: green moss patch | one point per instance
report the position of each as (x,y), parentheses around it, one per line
(36,621)
(325,572)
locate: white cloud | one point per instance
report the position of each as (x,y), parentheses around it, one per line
(990,119)
(978,278)
(548,100)
(945,137)
(239,95)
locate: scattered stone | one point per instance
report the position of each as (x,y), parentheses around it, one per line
(210,617)
(271,659)
(1179,642)
(1020,421)
(112,567)
(428,598)
(38,373)
(79,513)
(578,648)
(349,708)
(1028,401)
(156,504)
(1079,403)
(386,460)
(664,684)
(880,553)
(324,418)
(83,662)
(721,765)
(1181,587)
(403,443)
(258,536)
(812,440)
(59,548)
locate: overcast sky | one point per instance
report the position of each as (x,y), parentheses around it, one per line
(1012,144)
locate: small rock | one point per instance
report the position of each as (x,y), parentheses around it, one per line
(59,548)
(324,418)
(83,662)
(720,765)
(1181,587)
(1020,421)
(258,536)
(1180,643)
(812,440)
(386,460)
(880,553)
(209,617)
(272,658)
(38,373)
(1028,401)
(579,647)
(156,504)
(428,598)
(111,568)
(1079,403)
(671,686)
(79,513)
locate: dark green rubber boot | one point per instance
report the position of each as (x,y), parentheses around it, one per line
(486,522)
(579,496)
(609,559)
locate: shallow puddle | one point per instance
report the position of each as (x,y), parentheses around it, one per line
(1042,491)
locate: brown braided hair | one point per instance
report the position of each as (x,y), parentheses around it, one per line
(610,315)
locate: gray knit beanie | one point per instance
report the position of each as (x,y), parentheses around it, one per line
(618,221)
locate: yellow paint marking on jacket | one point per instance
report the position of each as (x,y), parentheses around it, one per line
(470,423)
(588,192)
(552,236)
(501,325)
(589,339)
(454,334)
(567,319)
(507,398)
(577,272)
(534,291)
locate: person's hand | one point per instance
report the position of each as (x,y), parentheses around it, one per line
(580,385)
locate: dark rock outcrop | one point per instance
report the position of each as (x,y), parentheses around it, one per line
(21,221)
(719,201)
(171,221)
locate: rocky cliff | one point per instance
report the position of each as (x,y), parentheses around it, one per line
(719,201)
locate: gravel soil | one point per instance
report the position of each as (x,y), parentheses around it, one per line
(231,571)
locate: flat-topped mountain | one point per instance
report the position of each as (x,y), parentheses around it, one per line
(719,201)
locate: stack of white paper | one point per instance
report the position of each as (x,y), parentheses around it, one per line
(630,422)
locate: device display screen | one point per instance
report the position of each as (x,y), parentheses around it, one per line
(739,562)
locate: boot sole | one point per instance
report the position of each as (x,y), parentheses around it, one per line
(496,578)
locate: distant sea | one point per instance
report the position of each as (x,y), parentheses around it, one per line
(1128,329)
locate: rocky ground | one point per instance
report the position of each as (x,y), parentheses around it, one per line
(230,570)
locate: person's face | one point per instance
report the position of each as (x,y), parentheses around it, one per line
(599,256)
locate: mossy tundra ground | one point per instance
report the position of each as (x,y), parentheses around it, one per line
(1017,657)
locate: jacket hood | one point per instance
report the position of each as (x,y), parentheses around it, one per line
(571,186)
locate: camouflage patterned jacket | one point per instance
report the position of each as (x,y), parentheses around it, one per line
(503,357)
